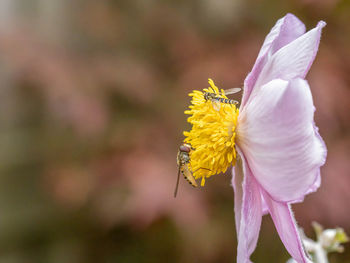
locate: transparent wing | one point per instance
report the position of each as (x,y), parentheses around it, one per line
(232,91)
(188,175)
(216,105)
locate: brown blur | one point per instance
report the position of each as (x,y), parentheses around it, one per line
(91,114)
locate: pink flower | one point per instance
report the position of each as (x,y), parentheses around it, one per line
(280,149)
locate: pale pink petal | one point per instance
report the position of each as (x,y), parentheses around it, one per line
(237,184)
(248,210)
(237,181)
(265,209)
(277,136)
(286,30)
(317,183)
(287,229)
(293,60)
(313,188)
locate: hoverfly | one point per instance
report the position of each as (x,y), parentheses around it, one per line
(183,159)
(216,99)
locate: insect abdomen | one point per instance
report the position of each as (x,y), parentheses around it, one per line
(226,101)
(189,177)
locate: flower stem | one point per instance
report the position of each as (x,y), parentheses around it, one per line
(320,254)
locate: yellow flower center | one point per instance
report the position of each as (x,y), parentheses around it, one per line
(213,133)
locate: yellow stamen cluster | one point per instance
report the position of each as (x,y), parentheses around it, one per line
(212,135)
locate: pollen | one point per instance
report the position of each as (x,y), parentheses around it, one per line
(213,133)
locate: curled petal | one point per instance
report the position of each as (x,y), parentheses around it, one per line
(276,134)
(248,210)
(293,60)
(287,229)
(313,188)
(287,29)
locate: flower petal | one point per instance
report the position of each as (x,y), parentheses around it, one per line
(286,30)
(248,210)
(237,184)
(237,181)
(287,229)
(276,134)
(293,60)
(313,188)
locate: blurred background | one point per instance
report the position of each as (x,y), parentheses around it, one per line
(91,115)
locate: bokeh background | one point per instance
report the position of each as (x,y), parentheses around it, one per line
(91,115)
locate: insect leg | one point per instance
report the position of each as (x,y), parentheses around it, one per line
(177,182)
(202,168)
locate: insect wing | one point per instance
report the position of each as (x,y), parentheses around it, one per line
(232,91)
(216,105)
(188,175)
(235,102)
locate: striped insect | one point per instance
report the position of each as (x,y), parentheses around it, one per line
(216,98)
(183,160)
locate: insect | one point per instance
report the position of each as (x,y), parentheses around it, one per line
(216,99)
(183,159)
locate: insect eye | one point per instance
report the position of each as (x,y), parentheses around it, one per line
(185,148)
